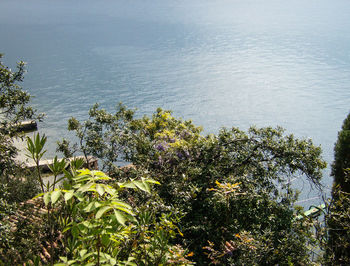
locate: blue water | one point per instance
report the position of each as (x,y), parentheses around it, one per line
(217,62)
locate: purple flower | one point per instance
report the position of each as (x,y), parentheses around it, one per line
(162,146)
(183,154)
(180,155)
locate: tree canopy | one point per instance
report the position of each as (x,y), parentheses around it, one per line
(342,157)
(338,219)
(232,190)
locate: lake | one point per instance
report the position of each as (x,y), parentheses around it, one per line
(217,62)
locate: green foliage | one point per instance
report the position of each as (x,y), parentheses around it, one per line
(262,162)
(342,157)
(338,223)
(102,135)
(99,228)
(233,183)
(36,151)
(57,168)
(337,219)
(98,216)
(14,109)
(16,185)
(19,241)
(19,244)
(13,100)
(35,147)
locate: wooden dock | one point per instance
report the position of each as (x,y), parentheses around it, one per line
(27,126)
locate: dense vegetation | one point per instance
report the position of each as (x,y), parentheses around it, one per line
(338,219)
(186,197)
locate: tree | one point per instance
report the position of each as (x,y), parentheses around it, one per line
(103,135)
(342,157)
(14,108)
(15,184)
(199,173)
(338,219)
(337,248)
(232,189)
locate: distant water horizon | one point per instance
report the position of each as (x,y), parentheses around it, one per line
(220,63)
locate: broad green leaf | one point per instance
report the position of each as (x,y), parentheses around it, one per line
(112,261)
(98,173)
(142,186)
(110,190)
(68,195)
(55,196)
(120,217)
(88,224)
(121,203)
(84,172)
(80,179)
(125,210)
(86,187)
(83,228)
(97,204)
(127,185)
(148,189)
(100,190)
(90,207)
(82,252)
(86,256)
(101,211)
(47,198)
(63,259)
(79,196)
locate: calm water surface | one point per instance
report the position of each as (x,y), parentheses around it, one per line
(220,63)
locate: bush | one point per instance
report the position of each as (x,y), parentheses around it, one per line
(228,187)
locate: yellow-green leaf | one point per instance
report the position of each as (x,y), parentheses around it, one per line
(90,207)
(82,252)
(47,198)
(68,195)
(120,218)
(84,172)
(152,181)
(127,185)
(86,187)
(141,186)
(101,211)
(100,190)
(125,210)
(120,203)
(38,196)
(55,196)
(110,190)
